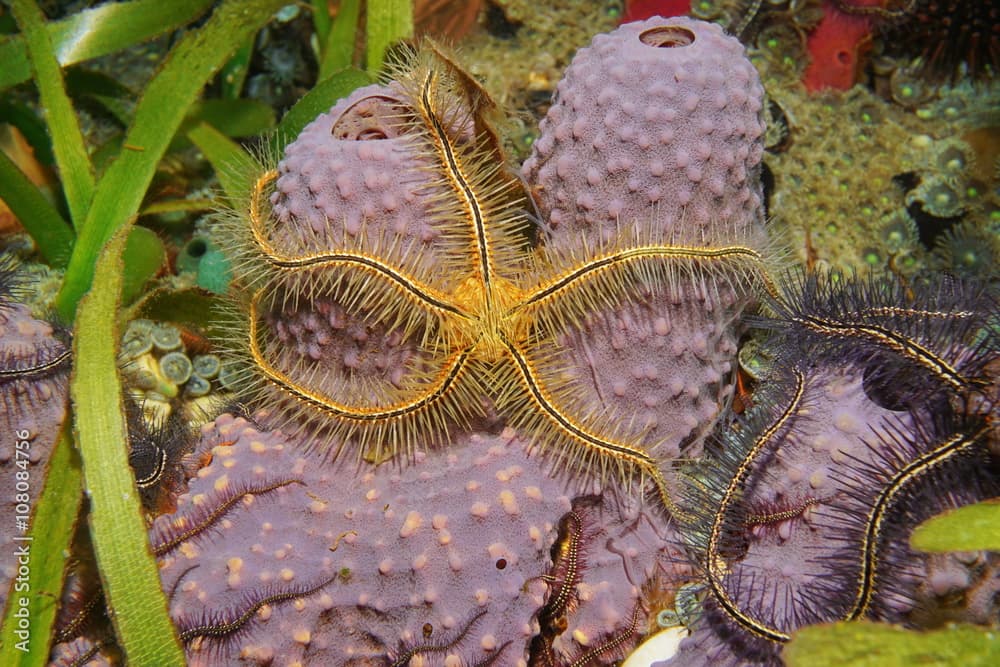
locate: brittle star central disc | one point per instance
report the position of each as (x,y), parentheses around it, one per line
(477,329)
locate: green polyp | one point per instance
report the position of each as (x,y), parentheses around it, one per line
(154,397)
(145,379)
(287,13)
(197,386)
(942,198)
(229,377)
(206,365)
(667,618)
(136,342)
(688,603)
(166,338)
(871,257)
(176,367)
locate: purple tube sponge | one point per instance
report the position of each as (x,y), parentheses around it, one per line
(655,137)
(354,165)
(658,122)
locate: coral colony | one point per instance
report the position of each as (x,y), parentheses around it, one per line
(491,415)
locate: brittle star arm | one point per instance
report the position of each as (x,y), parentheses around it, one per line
(40,368)
(634,456)
(450,371)
(715,567)
(601,264)
(415,289)
(421,293)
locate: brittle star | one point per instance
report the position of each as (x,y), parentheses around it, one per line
(491,329)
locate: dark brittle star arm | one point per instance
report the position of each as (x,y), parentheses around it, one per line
(36,369)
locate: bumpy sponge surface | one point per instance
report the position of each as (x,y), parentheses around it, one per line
(657,121)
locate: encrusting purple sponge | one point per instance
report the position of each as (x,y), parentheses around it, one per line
(273,553)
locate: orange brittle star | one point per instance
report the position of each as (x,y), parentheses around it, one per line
(486,322)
